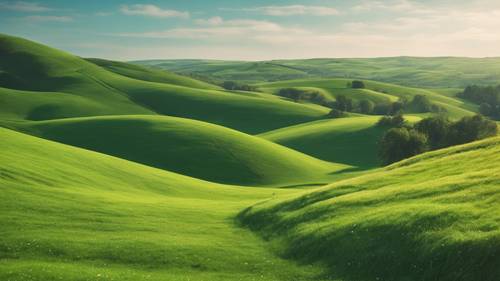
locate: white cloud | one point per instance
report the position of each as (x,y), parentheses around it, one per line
(21,6)
(219,29)
(298,10)
(151,11)
(291,10)
(395,5)
(49,18)
(210,21)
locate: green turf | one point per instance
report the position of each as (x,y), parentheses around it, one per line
(71,214)
(432,217)
(188,147)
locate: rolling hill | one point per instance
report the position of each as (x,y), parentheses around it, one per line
(437,72)
(431,217)
(72,214)
(351,141)
(31,67)
(377,92)
(188,147)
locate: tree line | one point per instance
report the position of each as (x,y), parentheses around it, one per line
(487,97)
(404,140)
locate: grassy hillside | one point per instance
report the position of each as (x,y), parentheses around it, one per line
(150,74)
(188,147)
(375,91)
(351,141)
(71,214)
(29,66)
(431,217)
(440,72)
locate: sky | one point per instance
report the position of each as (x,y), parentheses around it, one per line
(258,30)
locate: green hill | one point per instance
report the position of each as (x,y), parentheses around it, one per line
(29,66)
(431,217)
(188,147)
(351,141)
(376,92)
(72,214)
(150,74)
(437,72)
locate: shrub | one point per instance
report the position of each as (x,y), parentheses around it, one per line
(356,84)
(343,103)
(392,121)
(401,143)
(335,113)
(366,106)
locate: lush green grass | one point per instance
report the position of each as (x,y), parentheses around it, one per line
(377,92)
(151,74)
(443,72)
(188,147)
(71,214)
(33,67)
(431,217)
(352,141)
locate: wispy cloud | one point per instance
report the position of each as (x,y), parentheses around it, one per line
(48,18)
(292,10)
(219,29)
(21,6)
(151,11)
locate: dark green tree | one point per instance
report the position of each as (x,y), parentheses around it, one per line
(401,143)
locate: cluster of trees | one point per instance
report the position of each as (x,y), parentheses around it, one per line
(235,86)
(403,140)
(298,94)
(419,103)
(487,97)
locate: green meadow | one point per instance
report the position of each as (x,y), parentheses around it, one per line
(139,171)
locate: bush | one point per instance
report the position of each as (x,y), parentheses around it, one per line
(470,129)
(392,121)
(421,103)
(366,106)
(343,103)
(401,143)
(335,113)
(436,129)
(233,86)
(291,93)
(356,84)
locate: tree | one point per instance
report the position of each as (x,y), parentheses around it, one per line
(471,128)
(229,85)
(421,103)
(392,121)
(291,93)
(356,84)
(343,103)
(401,143)
(436,129)
(335,113)
(485,109)
(366,106)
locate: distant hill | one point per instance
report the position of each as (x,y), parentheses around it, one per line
(438,72)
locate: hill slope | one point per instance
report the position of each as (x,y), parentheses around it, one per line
(437,72)
(28,66)
(431,217)
(351,141)
(71,214)
(375,91)
(187,147)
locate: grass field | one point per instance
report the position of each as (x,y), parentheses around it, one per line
(117,171)
(188,147)
(432,217)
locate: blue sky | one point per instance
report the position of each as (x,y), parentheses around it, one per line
(258,30)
